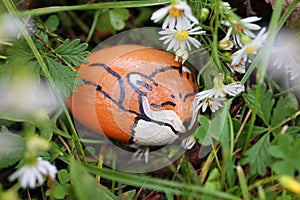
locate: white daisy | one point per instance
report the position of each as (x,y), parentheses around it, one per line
(30,173)
(246,27)
(214,98)
(179,38)
(213,104)
(226,43)
(179,13)
(250,48)
(220,90)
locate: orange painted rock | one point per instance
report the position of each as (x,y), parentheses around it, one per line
(135,94)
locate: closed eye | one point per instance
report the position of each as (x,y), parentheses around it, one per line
(188,95)
(163,104)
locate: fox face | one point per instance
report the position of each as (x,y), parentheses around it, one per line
(141,95)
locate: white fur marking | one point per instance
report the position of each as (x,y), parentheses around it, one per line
(152,134)
(165,116)
(185,69)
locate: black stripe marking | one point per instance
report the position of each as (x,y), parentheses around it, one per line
(163,104)
(117,76)
(188,95)
(99,89)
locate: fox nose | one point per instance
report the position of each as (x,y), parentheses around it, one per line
(190,127)
(187,122)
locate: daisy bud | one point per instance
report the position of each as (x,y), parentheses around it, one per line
(204,12)
(35,143)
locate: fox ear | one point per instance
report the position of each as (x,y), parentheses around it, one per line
(140,82)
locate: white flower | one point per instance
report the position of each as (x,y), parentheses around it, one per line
(214,98)
(30,173)
(179,13)
(240,68)
(225,43)
(220,91)
(213,104)
(246,27)
(250,48)
(181,56)
(179,38)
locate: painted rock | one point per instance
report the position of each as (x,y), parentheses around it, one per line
(135,94)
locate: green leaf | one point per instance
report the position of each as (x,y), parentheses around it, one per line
(60,191)
(216,129)
(73,52)
(52,23)
(118,17)
(63,176)
(64,79)
(258,157)
(265,102)
(12,148)
(286,153)
(201,131)
(285,107)
(103,23)
(257,130)
(129,195)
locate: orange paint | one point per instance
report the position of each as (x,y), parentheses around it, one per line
(116,78)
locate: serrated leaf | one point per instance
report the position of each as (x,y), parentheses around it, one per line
(286,154)
(73,52)
(285,107)
(12,148)
(52,23)
(257,130)
(258,157)
(63,77)
(117,17)
(265,102)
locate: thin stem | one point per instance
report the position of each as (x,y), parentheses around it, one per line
(6,43)
(3,57)
(93,27)
(94,6)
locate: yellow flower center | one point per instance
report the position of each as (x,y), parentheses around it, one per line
(174,12)
(224,44)
(181,35)
(251,49)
